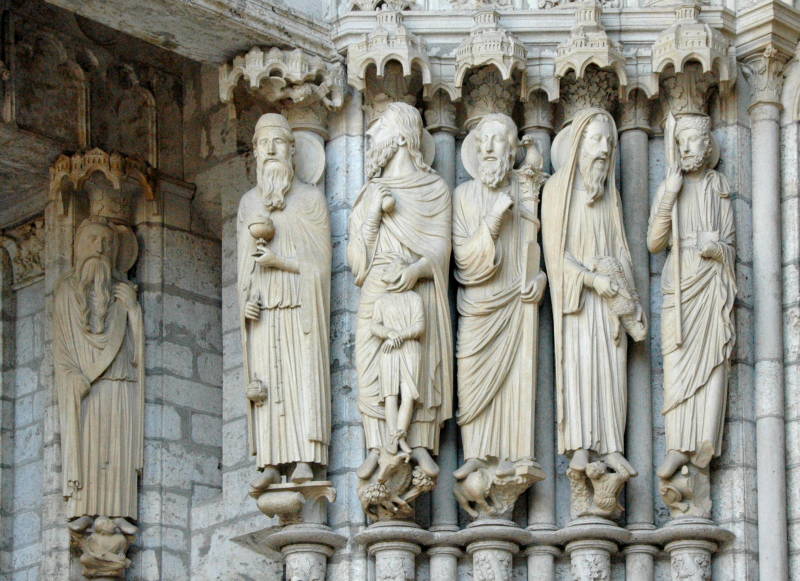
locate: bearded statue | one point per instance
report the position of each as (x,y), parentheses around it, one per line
(284,262)
(98,348)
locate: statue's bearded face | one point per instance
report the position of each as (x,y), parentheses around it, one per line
(595,157)
(495,154)
(384,141)
(694,145)
(274,147)
(95,250)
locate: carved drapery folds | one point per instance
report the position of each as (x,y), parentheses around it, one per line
(301,86)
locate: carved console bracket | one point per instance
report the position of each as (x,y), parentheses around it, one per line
(74,171)
(489,492)
(304,87)
(295,503)
(103,546)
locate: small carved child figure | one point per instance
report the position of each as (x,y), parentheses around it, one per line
(398,318)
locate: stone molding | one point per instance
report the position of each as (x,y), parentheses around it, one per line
(764,72)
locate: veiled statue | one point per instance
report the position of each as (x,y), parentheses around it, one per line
(692,215)
(98,351)
(497,256)
(595,307)
(399,252)
(284,263)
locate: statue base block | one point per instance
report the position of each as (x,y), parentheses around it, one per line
(296,503)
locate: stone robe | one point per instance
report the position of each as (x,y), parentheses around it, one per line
(590,354)
(101,431)
(287,348)
(694,406)
(403,313)
(418,227)
(496,345)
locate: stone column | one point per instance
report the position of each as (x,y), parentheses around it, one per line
(541,563)
(492,559)
(444,563)
(539,124)
(690,559)
(634,129)
(440,118)
(591,559)
(394,545)
(764,72)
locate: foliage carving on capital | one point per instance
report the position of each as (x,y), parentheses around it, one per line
(598,88)
(691,565)
(490,44)
(440,113)
(25,247)
(635,113)
(487,92)
(764,73)
(589,44)
(389,42)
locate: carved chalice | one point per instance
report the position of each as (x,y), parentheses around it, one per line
(263,229)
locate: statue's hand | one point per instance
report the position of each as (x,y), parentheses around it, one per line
(406,280)
(674,182)
(125,294)
(711,251)
(252,310)
(388,346)
(604,286)
(264,256)
(502,204)
(535,289)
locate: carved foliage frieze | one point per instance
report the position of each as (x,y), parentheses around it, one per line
(25,247)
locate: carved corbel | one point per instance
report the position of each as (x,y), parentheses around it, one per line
(590,66)
(489,44)
(302,86)
(114,203)
(487,92)
(764,73)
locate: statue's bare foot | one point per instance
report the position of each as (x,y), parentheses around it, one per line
(505,468)
(467,468)
(404,446)
(269,476)
(619,464)
(423,459)
(579,460)
(302,473)
(672,464)
(80,524)
(125,526)
(369,465)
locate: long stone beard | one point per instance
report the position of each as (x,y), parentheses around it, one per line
(95,293)
(492,173)
(692,163)
(379,155)
(593,172)
(274,182)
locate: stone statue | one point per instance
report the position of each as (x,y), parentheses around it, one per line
(103,551)
(98,350)
(693,215)
(399,252)
(594,304)
(495,226)
(284,262)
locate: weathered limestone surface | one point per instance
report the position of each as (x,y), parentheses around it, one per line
(75,76)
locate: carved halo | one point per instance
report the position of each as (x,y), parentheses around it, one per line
(309,158)
(469,155)
(128,247)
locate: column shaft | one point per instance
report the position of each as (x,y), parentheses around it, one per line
(770,435)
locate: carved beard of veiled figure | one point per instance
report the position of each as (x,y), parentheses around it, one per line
(95,292)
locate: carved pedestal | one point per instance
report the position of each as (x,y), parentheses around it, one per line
(688,492)
(296,503)
(591,559)
(394,545)
(492,543)
(103,547)
(489,492)
(690,560)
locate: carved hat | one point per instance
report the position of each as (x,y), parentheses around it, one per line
(701,121)
(272,120)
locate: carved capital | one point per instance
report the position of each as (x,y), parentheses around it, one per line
(440,114)
(764,72)
(393,86)
(490,44)
(492,560)
(687,91)
(690,560)
(113,203)
(486,91)
(538,112)
(635,113)
(597,88)
(292,80)
(25,247)
(589,45)
(591,559)
(395,560)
